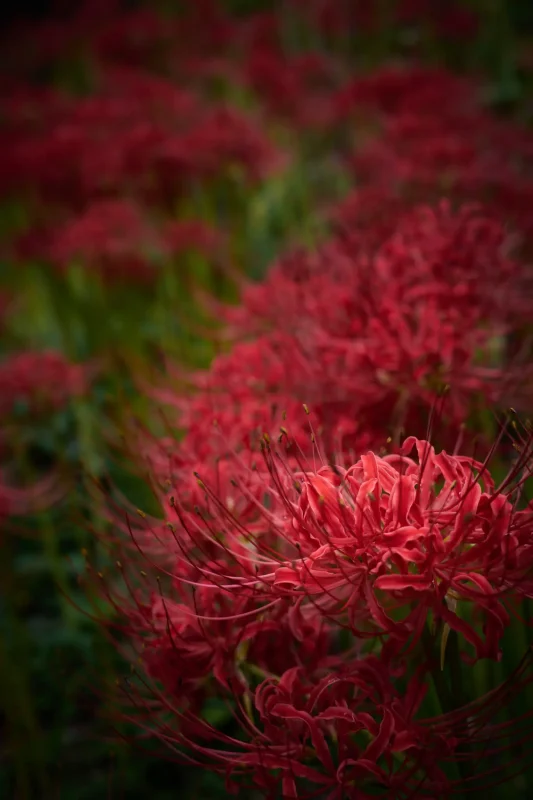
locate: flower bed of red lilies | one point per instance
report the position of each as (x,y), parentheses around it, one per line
(265,385)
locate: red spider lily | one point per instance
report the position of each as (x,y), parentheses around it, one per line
(372,333)
(458,254)
(117,239)
(24,500)
(353,724)
(337,733)
(298,88)
(379,535)
(437,138)
(215,644)
(432,250)
(42,380)
(463,155)
(256,388)
(369,214)
(269,611)
(395,90)
(138,134)
(445,538)
(225,136)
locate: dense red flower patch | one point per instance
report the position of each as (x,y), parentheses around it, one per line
(40,381)
(270,587)
(116,239)
(323,578)
(139,135)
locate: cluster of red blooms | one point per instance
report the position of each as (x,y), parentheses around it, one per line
(311,598)
(139,134)
(433,136)
(91,169)
(116,239)
(41,381)
(82,170)
(368,336)
(36,384)
(308,586)
(312,587)
(141,137)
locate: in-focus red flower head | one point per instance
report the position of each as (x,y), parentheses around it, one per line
(307,597)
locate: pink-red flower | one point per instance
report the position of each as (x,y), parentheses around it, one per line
(137,135)
(375,333)
(40,381)
(308,598)
(117,239)
(431,533)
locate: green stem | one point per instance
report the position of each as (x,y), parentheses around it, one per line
(450,697)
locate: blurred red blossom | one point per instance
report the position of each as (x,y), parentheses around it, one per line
(138,135)
(300,88)
(23,500)
(118,240)
(42,381)
(394,90)
(373,332)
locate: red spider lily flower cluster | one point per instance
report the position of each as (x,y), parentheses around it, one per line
(323,591)
(368,333)
(334,19)
(312,599)
(437,138)
(139,135)
(42,381)
(36,385)
(96,172)
(116,239)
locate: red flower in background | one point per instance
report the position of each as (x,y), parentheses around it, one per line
(373,333)
(438,139)
(413,89)
(138,135)
(43,381)
(118,240)
(300,89)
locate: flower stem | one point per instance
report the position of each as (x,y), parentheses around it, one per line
(450,696)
